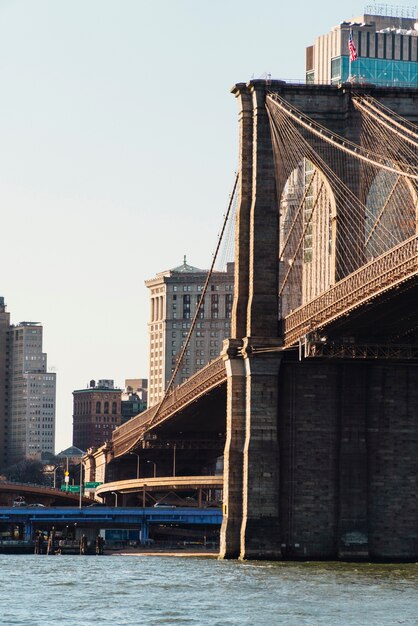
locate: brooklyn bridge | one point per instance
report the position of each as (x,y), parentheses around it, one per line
(307,421)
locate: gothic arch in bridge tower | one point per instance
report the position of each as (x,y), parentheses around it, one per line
(385,226)
(308,220)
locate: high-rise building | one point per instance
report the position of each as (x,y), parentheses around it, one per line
(174,296)
(386,44)
(96,413)
(134,398)
(31,392)
(4,384)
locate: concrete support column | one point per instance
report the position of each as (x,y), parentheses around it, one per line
(28,533)
(260,530)
(144,532)
(230,546)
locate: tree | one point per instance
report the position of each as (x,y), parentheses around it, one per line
(26,471)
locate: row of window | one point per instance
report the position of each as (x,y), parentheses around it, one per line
(214,306)
(200,325)
(213,333)
(85,408)
(199,288)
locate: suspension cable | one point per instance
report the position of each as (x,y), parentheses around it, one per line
(196,315)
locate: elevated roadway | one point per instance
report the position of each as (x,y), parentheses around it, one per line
(159,484)
(103,517)
(37,494)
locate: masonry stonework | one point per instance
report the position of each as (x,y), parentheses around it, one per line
(321,454)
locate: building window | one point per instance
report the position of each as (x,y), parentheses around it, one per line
(214,306)
(202,307)
(106,407)
(228,305)
(186,307)
(98,407)
(114,408)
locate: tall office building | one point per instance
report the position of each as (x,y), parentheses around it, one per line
(31,393)
(134,398)
(386,43)
(4,385)
(174,295)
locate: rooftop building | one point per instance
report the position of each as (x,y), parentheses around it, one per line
(386,44)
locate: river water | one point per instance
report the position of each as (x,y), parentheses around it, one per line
(150,590)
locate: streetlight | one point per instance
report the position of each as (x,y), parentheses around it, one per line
(115,493)
(155,467)
(137,463)
(52,469)
(174,459)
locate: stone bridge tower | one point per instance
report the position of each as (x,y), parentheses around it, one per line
(273,400)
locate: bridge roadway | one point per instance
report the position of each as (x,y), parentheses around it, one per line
(172,483)
(209,378)
(395,269)
(388,277)
(103,517)
(48,496)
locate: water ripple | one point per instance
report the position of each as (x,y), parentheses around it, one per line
(163,591)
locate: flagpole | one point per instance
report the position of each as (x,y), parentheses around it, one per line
(349,58)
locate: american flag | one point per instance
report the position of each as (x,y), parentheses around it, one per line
(352,48)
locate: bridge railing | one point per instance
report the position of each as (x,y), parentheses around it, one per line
(377,276)
(208,377)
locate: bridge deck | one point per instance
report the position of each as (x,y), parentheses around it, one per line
(398,265)
(161,482)
(207,378)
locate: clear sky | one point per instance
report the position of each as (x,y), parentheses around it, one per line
(118,148)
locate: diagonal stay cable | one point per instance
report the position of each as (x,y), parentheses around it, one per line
(196,315)
(340,142)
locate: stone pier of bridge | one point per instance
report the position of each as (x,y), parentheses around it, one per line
(321,455)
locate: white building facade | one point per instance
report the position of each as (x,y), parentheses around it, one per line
(32,395)
(174,296)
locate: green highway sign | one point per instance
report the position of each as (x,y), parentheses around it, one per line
(92,485)
(71,488)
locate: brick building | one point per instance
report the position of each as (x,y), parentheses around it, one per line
(96,413)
